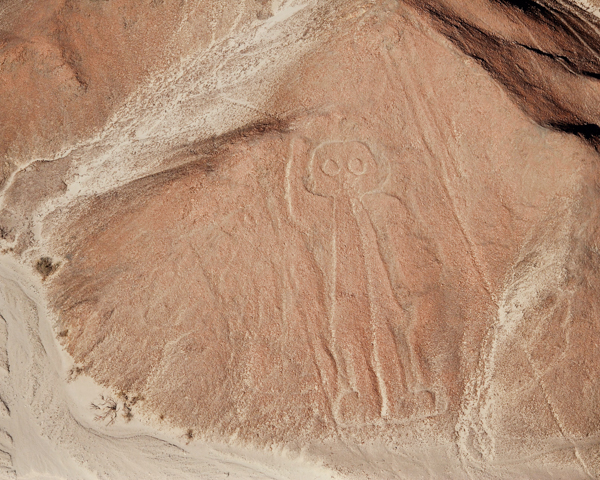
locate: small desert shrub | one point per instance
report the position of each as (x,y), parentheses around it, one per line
(46,267)
(74,372)
(108,409)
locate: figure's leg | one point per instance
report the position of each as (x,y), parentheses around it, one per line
(397,357)
(389,322)
(351,321)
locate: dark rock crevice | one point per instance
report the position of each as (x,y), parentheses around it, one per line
(553,76)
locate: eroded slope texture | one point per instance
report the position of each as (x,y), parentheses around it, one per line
(401,245)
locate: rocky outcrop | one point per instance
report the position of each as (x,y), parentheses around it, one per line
(545,53)
(388,239)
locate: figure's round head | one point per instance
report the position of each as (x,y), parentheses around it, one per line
(345,168)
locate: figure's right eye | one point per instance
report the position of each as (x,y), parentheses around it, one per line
(357,166)
(330,168)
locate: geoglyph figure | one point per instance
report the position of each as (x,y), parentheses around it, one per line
(368,322)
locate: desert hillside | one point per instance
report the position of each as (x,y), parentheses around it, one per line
(284,239)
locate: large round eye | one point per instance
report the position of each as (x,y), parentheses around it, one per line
(357,166)
(330,168)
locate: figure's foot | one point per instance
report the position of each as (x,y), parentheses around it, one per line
(356,409)
(415,405)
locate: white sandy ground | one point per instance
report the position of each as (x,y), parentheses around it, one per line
(47,425)
(52,427)
(592,6)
